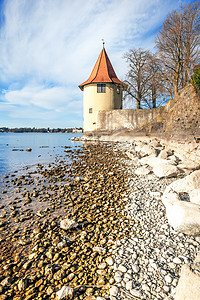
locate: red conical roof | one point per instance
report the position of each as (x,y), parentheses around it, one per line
(103,72)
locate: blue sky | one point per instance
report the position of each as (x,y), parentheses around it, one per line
(49,47)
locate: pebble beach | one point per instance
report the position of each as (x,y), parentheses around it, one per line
(118,243)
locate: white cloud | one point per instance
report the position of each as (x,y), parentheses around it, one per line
(49,47)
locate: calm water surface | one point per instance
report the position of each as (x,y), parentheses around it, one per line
(44,148)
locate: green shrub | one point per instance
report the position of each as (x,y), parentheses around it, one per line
(196,80)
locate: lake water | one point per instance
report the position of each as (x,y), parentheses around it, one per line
(44,148)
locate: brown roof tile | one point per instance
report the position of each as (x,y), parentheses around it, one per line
(103,72)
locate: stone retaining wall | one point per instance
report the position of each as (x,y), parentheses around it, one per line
(179,120)
(127,118)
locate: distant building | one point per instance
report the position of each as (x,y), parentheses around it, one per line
(102,91)
(76,130)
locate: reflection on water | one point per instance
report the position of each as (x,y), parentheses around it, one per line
(44,148)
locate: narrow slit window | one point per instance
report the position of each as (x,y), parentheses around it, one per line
(101,88)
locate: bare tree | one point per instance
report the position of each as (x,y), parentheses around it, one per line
(142,78)
(178,46)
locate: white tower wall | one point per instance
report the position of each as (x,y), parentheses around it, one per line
(94,102)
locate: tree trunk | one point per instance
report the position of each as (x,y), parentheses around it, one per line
(154,96)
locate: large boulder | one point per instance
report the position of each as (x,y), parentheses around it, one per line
(188,287)
(161,167)
(155,161)
(189,164)
(165,170)
(186,184)
(145,149)
(195,196)
(165,153)
(184,216)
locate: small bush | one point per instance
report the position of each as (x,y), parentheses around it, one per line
(196,80)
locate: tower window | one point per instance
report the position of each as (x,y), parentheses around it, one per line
(118,90)
(90,110)
(101,88)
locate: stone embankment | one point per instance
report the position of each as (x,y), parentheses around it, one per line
(178,120)
(97,228)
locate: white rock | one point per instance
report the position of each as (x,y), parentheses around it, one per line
(155,143)
(134,256)
(165,170)
(173,158)
(154,266)
(149,150)
(182,216)
(62,244)
(145,287)
(122,269)
(32,255)
(172,265)
(129,285)
(102,266)
(136,293)
(168,279)
(110,261)
(142,171)
(195,196)
(99,249)
(155,161)
(114,290)
(177,260)
(186,184)
(22,284)
(118,279)
(189,165)
(135,268)
(67,224)
(166,289)
(64,292)
(163,154)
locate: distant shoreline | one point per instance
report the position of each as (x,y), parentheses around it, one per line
(41,130)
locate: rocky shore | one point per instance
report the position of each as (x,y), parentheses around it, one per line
(93,228)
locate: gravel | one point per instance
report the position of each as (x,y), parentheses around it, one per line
(154,253)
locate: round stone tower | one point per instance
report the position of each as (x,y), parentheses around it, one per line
(102,91)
